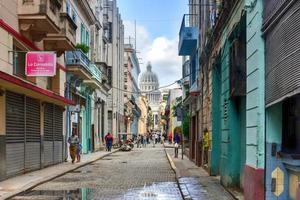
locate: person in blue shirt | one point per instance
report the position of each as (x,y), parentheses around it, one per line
(176,142)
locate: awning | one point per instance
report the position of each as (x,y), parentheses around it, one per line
(14,84)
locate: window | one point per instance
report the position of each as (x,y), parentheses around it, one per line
(291,125)
(74,16)
(82,34)
(87,39)
(68,10)
(19,62)
(49,83)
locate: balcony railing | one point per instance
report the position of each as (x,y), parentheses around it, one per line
(188,36)
(77,57)
(96,72)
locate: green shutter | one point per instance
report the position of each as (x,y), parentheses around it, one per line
(87,38)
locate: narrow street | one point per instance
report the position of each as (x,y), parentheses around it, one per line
(139,174)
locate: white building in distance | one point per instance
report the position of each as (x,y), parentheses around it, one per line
(149,86)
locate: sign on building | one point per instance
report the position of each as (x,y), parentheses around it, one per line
(40,64)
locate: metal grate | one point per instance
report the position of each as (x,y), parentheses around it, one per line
(15,118)
(283,56)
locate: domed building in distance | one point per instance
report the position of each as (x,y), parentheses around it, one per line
(149,86)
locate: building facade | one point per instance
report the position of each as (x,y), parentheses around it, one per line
(173,105)
(116,119)
(280,20)
(149,86)
(143,120)
(231,82)
(131,97)
(32,108)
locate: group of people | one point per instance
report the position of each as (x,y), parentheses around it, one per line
(141,141)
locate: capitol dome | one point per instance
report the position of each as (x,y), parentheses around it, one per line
(148,80)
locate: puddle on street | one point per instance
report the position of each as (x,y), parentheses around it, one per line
(155,191)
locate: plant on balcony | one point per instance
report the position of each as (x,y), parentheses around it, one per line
(83,47)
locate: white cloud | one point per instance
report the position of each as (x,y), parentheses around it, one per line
(162,52)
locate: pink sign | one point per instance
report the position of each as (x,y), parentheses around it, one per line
(40,64)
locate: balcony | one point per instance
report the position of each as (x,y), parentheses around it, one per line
(95,81)
(79,64)
(37,18)
(66,38)
(188,37)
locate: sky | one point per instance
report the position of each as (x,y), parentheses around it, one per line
(157,28)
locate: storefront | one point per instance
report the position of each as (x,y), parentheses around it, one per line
(281,33)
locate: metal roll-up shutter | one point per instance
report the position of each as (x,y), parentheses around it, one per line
(15,133)
(58,134)
(33,136)
(283,54)
(48,134)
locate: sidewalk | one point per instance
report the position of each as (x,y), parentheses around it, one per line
(194,182)
(18,184)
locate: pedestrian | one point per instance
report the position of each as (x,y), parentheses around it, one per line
(156,138)
(177,142)
(144,141)
(78,152)
(138,141)
(205,146)
(153,139)
(148,138)
(170,138)
(109,141)
(73,140)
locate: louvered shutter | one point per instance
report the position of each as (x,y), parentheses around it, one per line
(48,134)
(15,133)
(33,136)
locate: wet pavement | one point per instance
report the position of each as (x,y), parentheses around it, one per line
(140,174)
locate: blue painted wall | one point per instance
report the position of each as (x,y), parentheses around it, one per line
(273,135)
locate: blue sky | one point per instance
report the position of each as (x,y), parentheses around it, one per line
(158,23)
(161,17)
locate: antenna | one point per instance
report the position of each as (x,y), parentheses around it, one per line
(135,34)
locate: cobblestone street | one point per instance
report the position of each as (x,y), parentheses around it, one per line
(139,174)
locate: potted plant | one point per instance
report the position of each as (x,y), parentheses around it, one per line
(83,47)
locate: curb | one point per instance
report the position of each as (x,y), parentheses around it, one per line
(176,171)
(50,178)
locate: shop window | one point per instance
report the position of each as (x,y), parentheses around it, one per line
(291,125)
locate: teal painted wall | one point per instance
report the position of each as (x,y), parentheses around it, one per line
(233,128)
(216,120)
(86,116)
(255,87)
(274,124)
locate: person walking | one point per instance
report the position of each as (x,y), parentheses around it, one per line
(205,146)
(153,139)
(138,141)
(144,141)
(73,141)
(109,141)
(176,145)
